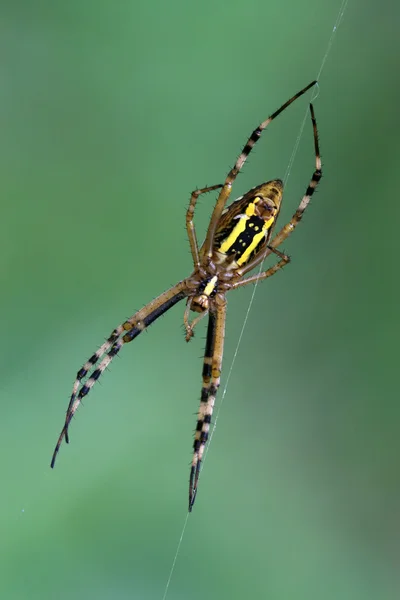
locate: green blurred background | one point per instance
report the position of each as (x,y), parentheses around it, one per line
(111,113)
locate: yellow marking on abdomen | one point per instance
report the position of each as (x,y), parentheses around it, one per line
(254,242)
(239,228)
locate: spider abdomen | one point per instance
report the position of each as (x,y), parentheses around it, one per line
(243,240)
(245,227)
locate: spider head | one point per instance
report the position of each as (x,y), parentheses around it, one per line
(201,301)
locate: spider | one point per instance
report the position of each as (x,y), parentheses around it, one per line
(237,240)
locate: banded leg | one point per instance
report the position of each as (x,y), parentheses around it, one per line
(226,190)
(87,367)
(285,260)
(191,231)
(123,334)
(295,220)
(211,380)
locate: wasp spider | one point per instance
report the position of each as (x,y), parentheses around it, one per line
(237,240)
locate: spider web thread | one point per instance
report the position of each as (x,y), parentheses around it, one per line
(315,94)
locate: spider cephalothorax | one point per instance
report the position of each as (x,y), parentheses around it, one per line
(242,232)
(238,239)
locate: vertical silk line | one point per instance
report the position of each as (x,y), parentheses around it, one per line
(315,93)
(176,556)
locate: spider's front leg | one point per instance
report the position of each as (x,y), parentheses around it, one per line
(92,370)
(211,380)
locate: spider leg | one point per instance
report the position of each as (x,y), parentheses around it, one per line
(123,334)
(191,231)
(316,178)
(294,221)
(227,187)
(189,326)
(211,380)
(285,260)
(87,367)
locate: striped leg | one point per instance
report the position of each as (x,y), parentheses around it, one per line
(294,221)
(285,260)
(211,380)
(87,367)
(316,178)
(125,333)
(191,231)
(259,277)
(226,190)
